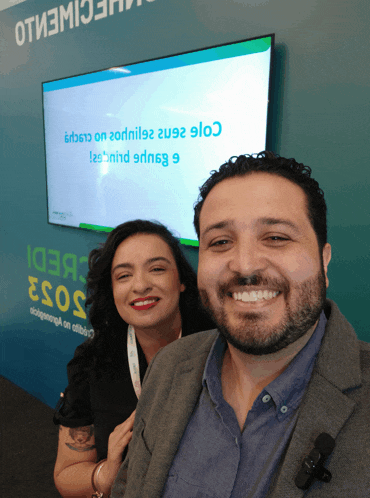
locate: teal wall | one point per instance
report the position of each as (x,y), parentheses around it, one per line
(320,116)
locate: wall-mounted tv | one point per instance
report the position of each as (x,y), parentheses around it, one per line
(137,141)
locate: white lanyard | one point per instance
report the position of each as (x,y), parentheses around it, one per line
(133,359)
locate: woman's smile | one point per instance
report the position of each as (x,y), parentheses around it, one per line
(144,303)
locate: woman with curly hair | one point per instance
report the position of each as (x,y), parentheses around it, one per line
(141,296)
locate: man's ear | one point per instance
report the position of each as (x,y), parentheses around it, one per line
(326,257)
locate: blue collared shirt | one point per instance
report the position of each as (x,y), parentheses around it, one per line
(217,460)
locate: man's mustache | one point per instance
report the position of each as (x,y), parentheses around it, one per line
(249,280)
(254,280)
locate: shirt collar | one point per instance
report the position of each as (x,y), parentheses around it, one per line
(286,390)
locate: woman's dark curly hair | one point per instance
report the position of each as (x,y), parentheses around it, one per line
(101,309)
(269,162)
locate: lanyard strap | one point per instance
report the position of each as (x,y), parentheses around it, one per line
(133,359)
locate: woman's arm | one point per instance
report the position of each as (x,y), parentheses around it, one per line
(76,459)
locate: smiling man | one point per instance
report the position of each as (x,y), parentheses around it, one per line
(234,412)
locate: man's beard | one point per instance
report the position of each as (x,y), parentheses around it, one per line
(254,338)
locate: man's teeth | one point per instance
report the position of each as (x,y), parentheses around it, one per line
(254,295)
(144,303)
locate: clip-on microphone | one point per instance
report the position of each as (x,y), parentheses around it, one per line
(313,465)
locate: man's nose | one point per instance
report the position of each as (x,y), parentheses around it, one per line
(247,258)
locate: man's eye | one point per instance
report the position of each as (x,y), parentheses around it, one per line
(277,238)
(219,243)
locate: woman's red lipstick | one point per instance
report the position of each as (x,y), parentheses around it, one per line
(138,304)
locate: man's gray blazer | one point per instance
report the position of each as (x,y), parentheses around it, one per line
(337,401)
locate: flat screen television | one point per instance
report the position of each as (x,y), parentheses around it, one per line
(137,141)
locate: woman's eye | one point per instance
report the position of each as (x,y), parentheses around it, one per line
(158,269)
(122,277)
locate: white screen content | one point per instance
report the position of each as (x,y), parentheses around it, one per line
(140,146)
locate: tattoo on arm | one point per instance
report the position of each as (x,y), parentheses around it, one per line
(80,449)
(81,438)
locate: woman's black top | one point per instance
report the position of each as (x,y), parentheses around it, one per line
(104,400)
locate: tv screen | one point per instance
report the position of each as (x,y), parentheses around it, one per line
(137,141)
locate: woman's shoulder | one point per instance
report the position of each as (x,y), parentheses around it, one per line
(82,353)
(78,366)
(98,357)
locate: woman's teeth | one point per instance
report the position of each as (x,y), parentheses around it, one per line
(144,303)
(254,295)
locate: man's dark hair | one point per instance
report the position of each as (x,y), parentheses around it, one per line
(269,162)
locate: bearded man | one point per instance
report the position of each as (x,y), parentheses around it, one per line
(275,402)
